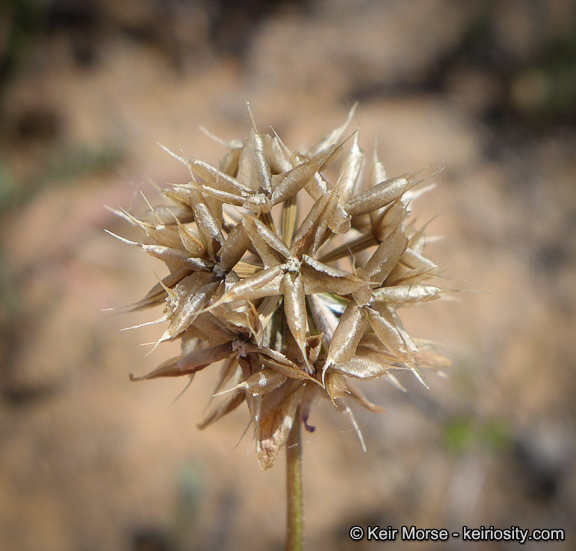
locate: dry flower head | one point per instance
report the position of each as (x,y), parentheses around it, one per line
(291,278)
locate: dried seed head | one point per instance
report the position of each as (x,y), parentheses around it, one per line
(288,303)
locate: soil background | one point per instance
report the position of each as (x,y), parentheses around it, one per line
(90,461)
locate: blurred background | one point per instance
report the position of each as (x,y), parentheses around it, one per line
(90,461)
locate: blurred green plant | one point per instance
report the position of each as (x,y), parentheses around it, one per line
(462,434)
(22,21)
(61,167)
(553,80)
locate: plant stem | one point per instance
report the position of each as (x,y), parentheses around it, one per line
(294,495)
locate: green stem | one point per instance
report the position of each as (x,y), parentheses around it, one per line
(294,494)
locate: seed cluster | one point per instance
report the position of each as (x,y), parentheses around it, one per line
(291,278)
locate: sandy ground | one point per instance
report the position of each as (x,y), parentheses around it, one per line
(90,461)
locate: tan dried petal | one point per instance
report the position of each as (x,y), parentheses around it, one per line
(335,384)
(317,186)
(175,259)
(340,222)
(309,236)
(385,258)
(179,196)
(233,249)
(417,261)
(287,371)
(263,382)
(295,309)
(333,137)
(389,219)
(191,240)
(157,294)
(210,329)
(350,171)
(324,319)
(320,278)
(407,294)
(218,179)
(186,365)
(366,366)
(430,356)
(210,228)
(163,234)
(262,284)
(224,196)
(276,417)
(350,248)
(388,333)
(269,246)
(278,155)
(229,163)
(208,356)
(288,184)
(348,333)
(166,215)
(380,195)
(402,274)
(188,309)
(253,167)
(377,170)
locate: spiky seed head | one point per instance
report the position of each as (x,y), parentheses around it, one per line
(296,305)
